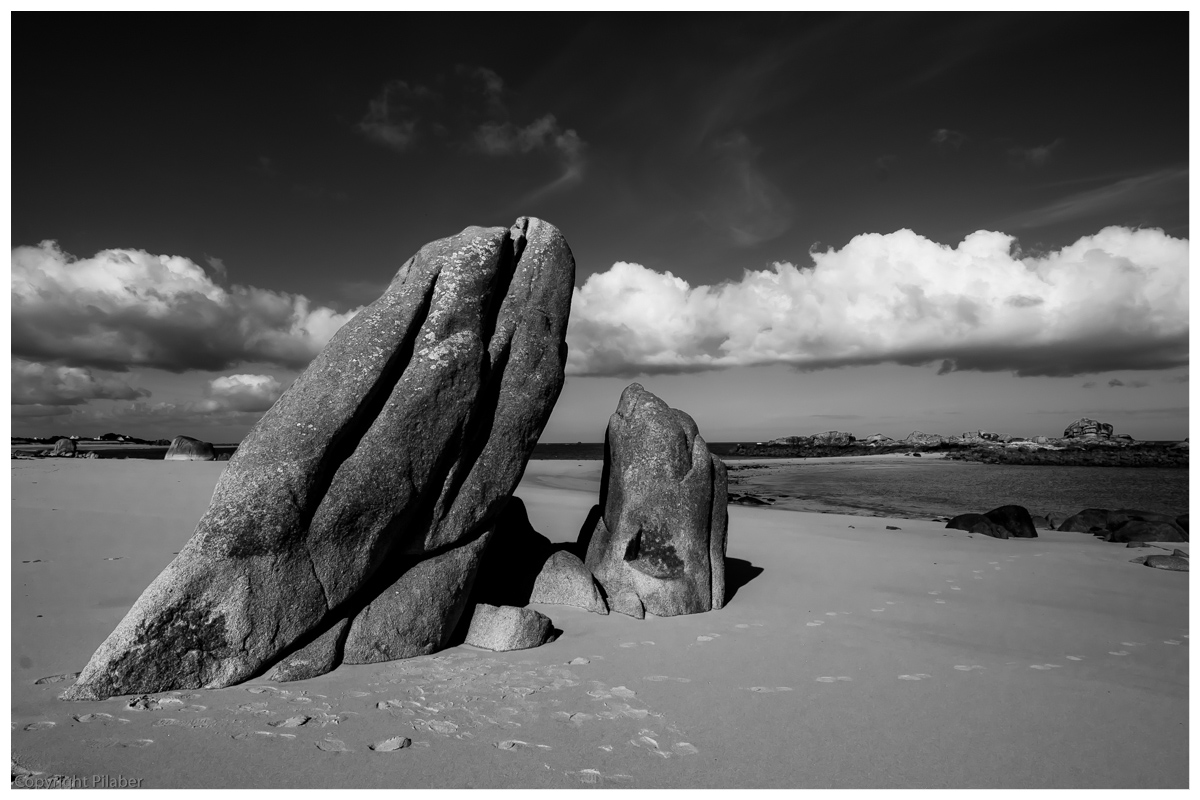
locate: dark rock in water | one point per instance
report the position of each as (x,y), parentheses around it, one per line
(351,521)
(1182,521)
(64,448)
(1141,531)
(508,628)
(891,528)
(565,581)
(661,532)
(977,523)
(1138,544)
(1172,563)
(185,448)
(1015,520)
(917,455)
(750,500)
(1089,520)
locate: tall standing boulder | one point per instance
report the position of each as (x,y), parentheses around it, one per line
(185,448)
(350,523)
(64,448)
(656,541)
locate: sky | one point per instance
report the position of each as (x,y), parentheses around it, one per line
(783,223)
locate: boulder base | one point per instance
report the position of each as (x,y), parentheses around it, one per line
(978,523)
(508,628)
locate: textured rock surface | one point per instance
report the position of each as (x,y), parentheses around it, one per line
(1085,428)
(1089,520)
(977,523)
(917,437)
(185,448)
(659,531)
(1015,520)
(1172,563)
(512,561)
(1136,530)
(565,581)
(508,628)
(64,448)
(374,480)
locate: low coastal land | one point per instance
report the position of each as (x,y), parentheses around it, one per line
(883,652)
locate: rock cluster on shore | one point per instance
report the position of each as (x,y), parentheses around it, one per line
(1085,442)
(369,515)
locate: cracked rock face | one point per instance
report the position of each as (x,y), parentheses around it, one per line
(350,522)
(656,541)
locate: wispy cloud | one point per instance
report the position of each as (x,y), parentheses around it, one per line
(1139,191)
(944,137)
(1034,156)
(391,118)
(744,205)
(1115,300)
(124,308)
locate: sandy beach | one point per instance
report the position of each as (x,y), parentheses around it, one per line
(848,656)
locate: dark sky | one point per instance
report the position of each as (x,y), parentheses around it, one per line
(312,153)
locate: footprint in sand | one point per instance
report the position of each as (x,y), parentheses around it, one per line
(649,744)
(920,676)
(955,589)
(771,688)
(517,744)
(831,679)
(99,716)
(1134,644)
(650,643)
(666,678)
(329,745)
(815,623)
(879,609)
(575,662)
(290,722)
(943,602)
(1074,658)
(741,625)
(967,667)
(1118,652)
(627,644)
(684,749)
(1044,666)
(39,726)
(394,743)
(267,735)
(933,592)
(704,638)
(594,776)
(890,602)
(1171,641)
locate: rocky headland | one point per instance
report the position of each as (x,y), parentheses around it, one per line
(1085,442)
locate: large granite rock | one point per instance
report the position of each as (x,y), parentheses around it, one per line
(1173,563)
(656,541)
(1014,519)
(1136,530)
(978,523)
(185,448)
(64,448)
(351,521)
(565,581)
(1084,428)
(508,628)
(1090,520)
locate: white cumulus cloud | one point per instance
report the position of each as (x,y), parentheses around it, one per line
(1115,300)
(123,308)
(244,392)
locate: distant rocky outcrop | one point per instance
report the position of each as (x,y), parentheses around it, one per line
(351,522)
(185,448)
(1084,428)
(63,448)
(1173,563)
(656,541)
(924,439)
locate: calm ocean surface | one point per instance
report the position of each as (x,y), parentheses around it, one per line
(931,486)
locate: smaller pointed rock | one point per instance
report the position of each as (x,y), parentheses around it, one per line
(565,581)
